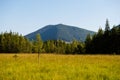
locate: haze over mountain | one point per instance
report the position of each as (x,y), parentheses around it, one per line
(60,32)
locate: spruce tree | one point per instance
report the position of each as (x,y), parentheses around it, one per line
(107,26)
(38,44)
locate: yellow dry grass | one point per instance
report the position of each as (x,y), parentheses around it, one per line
(59,67)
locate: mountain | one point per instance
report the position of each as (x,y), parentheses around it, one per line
(60,32)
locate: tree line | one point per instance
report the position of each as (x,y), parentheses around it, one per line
(11,42)
(103,42)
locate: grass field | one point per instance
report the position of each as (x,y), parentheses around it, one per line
(59,67)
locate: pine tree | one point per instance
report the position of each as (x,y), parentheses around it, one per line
(38,44)
(107,26)
(2,43)
(88,44)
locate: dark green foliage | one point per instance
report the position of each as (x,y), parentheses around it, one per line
(37,44)
(107,27)
(14,43)
(104,42)
(59,46)
(49,46)
(88,43)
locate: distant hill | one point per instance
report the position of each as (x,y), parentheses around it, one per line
(60,32)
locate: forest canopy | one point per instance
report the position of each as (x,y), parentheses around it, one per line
(103,42)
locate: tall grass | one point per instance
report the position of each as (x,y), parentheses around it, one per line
(59,67)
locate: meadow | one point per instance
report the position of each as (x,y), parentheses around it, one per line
(59,67)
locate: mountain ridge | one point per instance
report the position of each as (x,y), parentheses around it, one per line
(60,32)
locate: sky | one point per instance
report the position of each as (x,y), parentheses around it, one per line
(26,16)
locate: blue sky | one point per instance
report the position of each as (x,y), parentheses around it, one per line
(26,16)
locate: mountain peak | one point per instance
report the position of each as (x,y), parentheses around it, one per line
(56,25)
(62,32)
(60,24)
